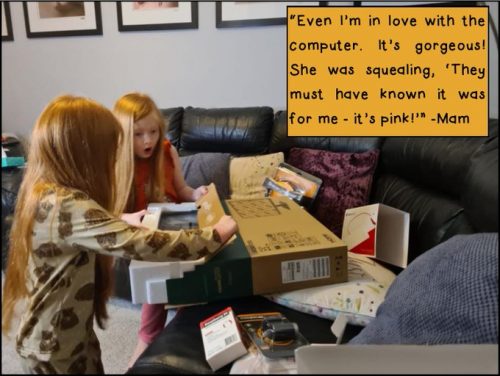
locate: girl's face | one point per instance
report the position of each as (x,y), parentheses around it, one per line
(146,136)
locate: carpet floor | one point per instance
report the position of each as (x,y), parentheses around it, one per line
(118,340)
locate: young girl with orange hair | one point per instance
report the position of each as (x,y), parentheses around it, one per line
(157,177)
(66,228)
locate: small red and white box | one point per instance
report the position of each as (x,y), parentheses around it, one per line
(221,339)
(378,231)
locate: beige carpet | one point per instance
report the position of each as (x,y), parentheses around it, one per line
(117,341)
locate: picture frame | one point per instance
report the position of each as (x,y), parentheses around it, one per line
(7,34)
(165,15)
(248,13)
(62,18)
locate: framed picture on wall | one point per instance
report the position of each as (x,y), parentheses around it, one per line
(6,22)
(249,13)
(62,18)
(158,15)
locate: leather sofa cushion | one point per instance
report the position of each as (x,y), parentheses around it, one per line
(437,163)
(481,185)
(281,142)
(449,185)
(239,131)
(173,123)
(433,217)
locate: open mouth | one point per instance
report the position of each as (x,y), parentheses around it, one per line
(148,150)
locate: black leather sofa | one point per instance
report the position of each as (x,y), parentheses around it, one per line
(449,185)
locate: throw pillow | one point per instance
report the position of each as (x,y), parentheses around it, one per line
(448,295)
(347,180)
(205,168)
(358,299)
(247,174)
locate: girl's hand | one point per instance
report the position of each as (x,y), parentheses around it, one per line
(134,219)
(199,192)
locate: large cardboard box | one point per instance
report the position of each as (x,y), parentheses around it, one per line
(288,248)
(280,247)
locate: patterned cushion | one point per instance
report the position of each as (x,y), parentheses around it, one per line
(448,295)
(246,174)
(358,299)
(205,168)
(347,180)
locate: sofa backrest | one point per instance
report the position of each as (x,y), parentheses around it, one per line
(449,185)
(239,131)
(281,142)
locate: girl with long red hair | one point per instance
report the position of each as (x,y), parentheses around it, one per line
(66,226)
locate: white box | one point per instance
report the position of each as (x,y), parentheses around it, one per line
(378,231)
(221,339)
(397,359)
(147,278)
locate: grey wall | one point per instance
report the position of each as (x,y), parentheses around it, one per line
(201,67)
(204,67)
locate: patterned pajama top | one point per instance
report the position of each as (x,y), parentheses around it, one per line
(69,230)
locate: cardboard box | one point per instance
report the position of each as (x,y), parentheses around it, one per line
(288,248)
(397,359)
(378,231)
(221,339)
(280,247)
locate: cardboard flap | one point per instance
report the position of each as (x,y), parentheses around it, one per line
(359,227)
(393,232)
(210,208)
(264,230)
(379,231)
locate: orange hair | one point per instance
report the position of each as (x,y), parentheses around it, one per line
(73,145)
(129,109)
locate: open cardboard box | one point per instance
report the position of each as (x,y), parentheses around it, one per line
(147,278)
(378,231)
(280,247)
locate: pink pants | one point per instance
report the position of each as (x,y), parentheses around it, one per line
(153,317)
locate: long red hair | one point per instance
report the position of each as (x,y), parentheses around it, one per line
(129,109)
(73,145)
